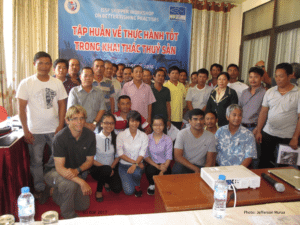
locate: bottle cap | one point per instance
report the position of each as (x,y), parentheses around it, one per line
(222,177)
(24,190)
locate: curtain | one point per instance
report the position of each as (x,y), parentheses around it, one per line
(254,50)
(210,34)
(35,28)
(288,47)
(5,91)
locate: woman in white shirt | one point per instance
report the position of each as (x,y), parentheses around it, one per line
(132,144)
(105,168)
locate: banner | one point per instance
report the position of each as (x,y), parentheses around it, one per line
(148,33)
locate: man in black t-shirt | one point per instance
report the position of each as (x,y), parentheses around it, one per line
(74,149)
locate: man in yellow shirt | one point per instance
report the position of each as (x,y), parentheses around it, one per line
(178,93)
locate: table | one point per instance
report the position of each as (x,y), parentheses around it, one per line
(275,213)
(190,192)
(14,173)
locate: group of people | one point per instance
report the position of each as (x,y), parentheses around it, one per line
(112,121)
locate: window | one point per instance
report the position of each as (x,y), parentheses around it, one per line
(271,32)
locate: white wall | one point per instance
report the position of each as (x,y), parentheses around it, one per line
(235,32)
(235,35)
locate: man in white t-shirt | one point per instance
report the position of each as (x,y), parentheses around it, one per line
(239,87)
(198,96)
(42,109)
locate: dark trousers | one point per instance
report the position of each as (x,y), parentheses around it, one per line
(102,175)
(177,124)
(151,171)
(269,152)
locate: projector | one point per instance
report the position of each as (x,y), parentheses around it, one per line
(239,176)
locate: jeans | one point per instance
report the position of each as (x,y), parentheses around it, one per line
(130,181)
(36,152)
(181,169)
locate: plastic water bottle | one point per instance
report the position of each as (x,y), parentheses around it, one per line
(220,196)
(9,122)
(26,206)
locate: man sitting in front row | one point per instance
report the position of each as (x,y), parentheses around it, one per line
(235,143)
(194,146)
(74,148)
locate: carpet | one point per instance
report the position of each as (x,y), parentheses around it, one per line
(113,204)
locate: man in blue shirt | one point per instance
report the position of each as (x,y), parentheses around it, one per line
(235,143)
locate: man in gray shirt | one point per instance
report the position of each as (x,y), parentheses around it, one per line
(281,110)
(251,100)
(89,97)
(194,146)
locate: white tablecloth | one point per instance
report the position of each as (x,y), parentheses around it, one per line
(275,213)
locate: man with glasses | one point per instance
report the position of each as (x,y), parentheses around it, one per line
(74,148)
(194,146)
(88,96)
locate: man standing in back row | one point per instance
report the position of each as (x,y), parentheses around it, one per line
(42,108)
(90,97)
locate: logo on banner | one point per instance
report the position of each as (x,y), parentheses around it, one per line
(177,13)
(72,6)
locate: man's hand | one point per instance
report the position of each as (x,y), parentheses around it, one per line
(168,124)
(112,173)
(161,173)
(258,137)
(59,128)
(141,165)
(71,173)
(90,126)
(28,137)
(255,131)
(294,143)
(131,169)
(197,170)
(163,168)
(85,188)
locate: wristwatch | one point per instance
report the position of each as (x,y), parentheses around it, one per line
(95,122)
(136,164)
(79,170)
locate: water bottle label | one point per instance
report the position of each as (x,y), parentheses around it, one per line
(220,194)
(25,209)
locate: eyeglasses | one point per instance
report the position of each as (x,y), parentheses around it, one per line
(77,119)
(108,123)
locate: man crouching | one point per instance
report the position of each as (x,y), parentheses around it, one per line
(74,148)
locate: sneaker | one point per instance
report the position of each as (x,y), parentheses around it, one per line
(138,192)
(151,189)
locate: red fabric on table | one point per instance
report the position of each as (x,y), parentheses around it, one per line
(14,174)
